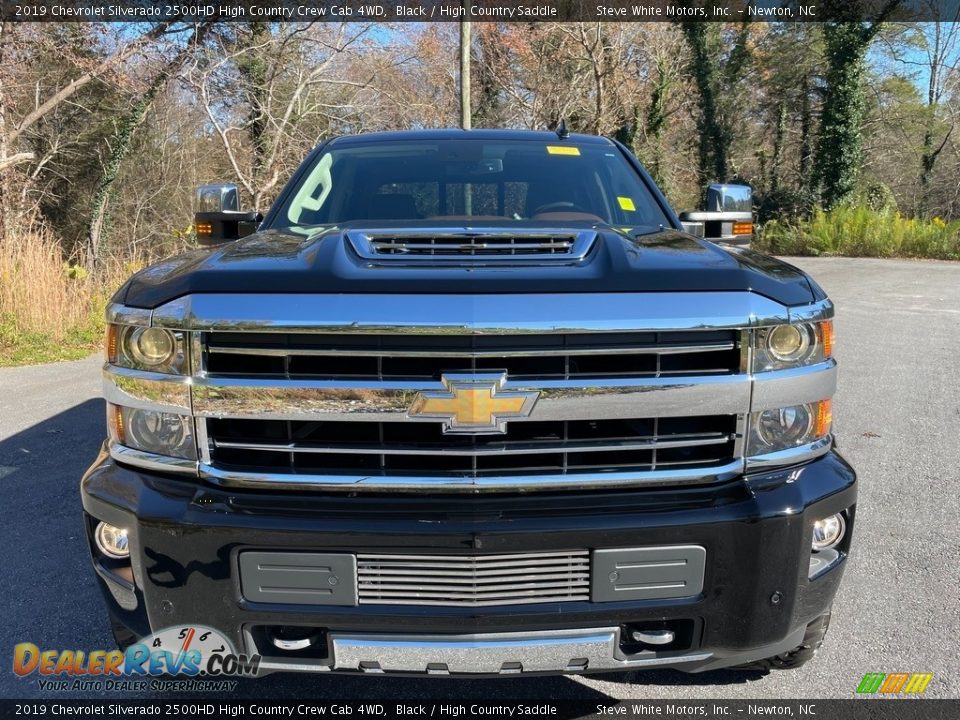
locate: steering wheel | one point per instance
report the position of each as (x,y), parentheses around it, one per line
(561,206)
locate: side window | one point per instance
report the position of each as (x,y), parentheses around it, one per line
(483,199)
(515,199)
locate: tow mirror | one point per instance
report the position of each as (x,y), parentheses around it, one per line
(728,217)
(218,218)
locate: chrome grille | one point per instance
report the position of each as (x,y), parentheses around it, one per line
(474,580)
(502,245)
(470,246)
(405,448)
(563,356)
(329,409)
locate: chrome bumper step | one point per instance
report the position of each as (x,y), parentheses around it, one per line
(555,651)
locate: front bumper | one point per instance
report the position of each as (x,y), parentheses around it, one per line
(757,598)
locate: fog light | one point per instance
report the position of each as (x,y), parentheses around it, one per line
(112,541)
(828,532)
(289,638)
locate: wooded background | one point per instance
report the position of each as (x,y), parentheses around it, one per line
(105,129)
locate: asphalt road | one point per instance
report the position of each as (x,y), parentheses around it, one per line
(897,415)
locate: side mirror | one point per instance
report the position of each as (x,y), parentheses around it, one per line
(218,218)
(728,217)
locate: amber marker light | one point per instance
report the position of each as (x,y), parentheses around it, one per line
(110,343)
(743,228)
(204,229)
(824,418)
(115,422)
(826,338)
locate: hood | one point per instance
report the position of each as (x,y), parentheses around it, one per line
(282,261)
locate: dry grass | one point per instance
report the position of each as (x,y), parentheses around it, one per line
(50,310)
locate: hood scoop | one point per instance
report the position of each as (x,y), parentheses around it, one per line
(471,246)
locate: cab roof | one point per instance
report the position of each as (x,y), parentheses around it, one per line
(458,134)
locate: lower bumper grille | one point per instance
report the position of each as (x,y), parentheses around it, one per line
(473,581)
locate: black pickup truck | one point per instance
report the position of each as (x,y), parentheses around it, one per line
(473,403)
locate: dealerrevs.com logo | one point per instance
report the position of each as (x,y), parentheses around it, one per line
(180,653)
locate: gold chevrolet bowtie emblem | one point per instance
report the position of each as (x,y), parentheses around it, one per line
(473,403)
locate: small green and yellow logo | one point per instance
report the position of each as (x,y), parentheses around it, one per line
(894,683)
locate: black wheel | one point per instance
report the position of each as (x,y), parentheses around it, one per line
(123,635)
(800,655)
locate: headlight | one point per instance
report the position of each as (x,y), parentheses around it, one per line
(784,427)
(786,346)
(788,427)
(153,346)
(151,431)
(789,343)
(146,348)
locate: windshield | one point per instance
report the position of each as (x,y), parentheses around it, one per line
(470,180)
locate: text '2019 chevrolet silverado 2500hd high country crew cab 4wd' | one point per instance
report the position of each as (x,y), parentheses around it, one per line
(472,402)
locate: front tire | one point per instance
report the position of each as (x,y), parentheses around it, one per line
(800,655)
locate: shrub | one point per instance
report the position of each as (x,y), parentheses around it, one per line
(859,231)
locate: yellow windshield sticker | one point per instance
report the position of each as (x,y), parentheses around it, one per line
(563,150)
(626,204)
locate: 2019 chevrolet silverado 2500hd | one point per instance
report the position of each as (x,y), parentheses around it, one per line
(472,402)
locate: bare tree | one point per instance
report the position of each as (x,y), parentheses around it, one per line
(937,43)
(716,68)
(11,131)
(466,114)
(270,95)
(17,122)
(123,139)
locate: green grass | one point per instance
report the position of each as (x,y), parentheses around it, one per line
(862,232)
(30,347)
